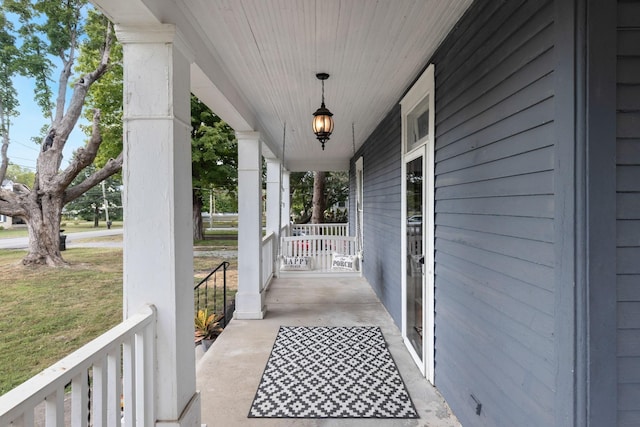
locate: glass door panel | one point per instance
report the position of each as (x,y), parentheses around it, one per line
(415,256)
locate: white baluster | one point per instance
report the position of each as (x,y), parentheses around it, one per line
(79,399)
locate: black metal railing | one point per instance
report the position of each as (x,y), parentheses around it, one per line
(207,294)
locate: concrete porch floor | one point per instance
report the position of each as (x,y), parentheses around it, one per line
(229,373)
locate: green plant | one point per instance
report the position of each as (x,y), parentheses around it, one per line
(207,325)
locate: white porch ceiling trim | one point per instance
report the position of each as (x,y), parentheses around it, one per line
(256,60)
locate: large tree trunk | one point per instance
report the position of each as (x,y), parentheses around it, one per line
(197,216)
(317,215)
(43,223)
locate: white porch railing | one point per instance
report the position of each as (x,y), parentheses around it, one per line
(115,368)
(319,229)
(318,243)
(269,254)
(320,249)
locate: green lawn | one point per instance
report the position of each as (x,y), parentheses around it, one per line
(47,313)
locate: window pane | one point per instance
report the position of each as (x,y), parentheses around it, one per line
(418,124)
(423,124)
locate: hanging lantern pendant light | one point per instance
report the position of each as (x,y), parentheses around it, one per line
(322,121)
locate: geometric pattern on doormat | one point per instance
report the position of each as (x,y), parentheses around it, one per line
(331,372)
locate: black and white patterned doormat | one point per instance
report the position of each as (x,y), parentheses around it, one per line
(331,372)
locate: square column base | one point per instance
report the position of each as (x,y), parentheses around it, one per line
(250,306)
(190,417)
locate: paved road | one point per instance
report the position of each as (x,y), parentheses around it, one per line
(72,240)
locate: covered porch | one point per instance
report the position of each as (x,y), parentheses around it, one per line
(228,375)
(255,65)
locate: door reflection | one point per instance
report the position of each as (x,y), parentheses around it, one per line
(415,256)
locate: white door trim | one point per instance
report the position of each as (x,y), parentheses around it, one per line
(360,207)
(419,97)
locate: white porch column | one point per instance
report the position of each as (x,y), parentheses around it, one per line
(286,198)
(250,298)
(274,208)
(158,247)
(274,195)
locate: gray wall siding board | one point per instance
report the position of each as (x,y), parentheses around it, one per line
(628,397)
(382,170)
(528,140)
(628,97)
(540,229)
(534,116)
(627,261)
(627,206)
(502,116)
(629,370)
(532,63)
(628,212)
(628,315)
(628,177)
(491,46)
(628,288)
(628,419)
(628,12)
(503,94)
(529,206)
(628,123)
(628,343)
(495,171)
(532,94)
(513,353)
(519,164)
(628,42)
(628,151)
(512,389)
(628,233)
(534,274)
(486,18)
(538,183)
(523,249)
(520,291)
(628,70)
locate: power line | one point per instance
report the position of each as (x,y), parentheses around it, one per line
(30,147)
(22,158)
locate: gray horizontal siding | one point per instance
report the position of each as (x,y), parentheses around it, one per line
(495,208)
(628,212)
(381,236)
(540,229)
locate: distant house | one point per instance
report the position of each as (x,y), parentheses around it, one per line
(6,221)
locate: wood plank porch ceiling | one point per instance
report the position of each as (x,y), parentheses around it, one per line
(270,50)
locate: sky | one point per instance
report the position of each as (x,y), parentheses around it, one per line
(22,150)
